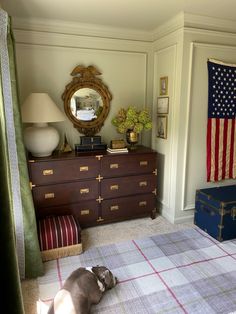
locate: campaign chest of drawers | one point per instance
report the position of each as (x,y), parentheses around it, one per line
(96,187)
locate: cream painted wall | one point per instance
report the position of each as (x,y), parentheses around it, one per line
(167,62)
(196,153)
(198,46)
(132,70)
(44,64)
(182,56)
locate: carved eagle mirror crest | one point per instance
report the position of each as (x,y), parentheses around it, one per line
(86,100)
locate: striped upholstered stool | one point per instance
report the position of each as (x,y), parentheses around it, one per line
(59,236)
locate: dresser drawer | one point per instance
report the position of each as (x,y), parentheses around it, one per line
(116,187)
(65,193)
(127,164)
(86,212)
(95,187)
(47,172)
(128,207)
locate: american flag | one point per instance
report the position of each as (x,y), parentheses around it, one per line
(221,128)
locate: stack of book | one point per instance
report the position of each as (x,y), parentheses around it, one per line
(90,143)
(117,150)
(118,143)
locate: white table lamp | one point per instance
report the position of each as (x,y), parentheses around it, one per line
(39,109)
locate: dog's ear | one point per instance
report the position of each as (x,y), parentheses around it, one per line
(105,273)
(102,273)
(108,279)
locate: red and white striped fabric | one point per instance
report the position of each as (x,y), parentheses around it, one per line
(221,128)
(221,149)
(58,231)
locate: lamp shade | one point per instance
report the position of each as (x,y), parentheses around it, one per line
(40,139)
(39,107)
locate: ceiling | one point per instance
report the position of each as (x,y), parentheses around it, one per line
(145,15)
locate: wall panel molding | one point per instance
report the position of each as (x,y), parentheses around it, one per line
(166,147)
(193,46)
(81,29)
(74,41)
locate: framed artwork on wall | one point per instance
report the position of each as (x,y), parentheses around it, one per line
(163,105)
(164,85)
(162,126)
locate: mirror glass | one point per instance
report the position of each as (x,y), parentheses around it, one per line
(86,100)
(86,104)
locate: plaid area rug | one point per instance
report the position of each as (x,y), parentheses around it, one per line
(181,272)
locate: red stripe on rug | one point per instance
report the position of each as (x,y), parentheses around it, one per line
(215,242)
(59,273)
(162,280)
(175,267)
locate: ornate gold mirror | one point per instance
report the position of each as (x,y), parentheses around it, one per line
(86,100)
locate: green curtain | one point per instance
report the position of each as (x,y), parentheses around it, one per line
(33,261)
(20,252)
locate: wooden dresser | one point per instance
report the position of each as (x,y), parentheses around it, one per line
(96,187)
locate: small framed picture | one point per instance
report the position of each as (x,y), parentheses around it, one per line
(162,126)
(164,85)
(163,105)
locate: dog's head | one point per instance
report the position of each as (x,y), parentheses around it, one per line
(105,276)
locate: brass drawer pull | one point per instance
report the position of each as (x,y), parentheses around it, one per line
(142,203)
(84,191)
(84,168)
(84,212)
(100,219)
(32,185)
(155,172)
(143,163)
(114,187)
(143,183)
(114,207)
(114,166)
(49,195)
(47,172)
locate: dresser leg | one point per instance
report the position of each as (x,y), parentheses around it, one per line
(153,213)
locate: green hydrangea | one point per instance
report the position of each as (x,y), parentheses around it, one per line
(121,128)
(148,125)
(138,127)
(132,119)
(132,114)
(144,117)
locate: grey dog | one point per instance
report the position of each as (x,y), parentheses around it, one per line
(84,287)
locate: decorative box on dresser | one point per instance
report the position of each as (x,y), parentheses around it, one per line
(96,187)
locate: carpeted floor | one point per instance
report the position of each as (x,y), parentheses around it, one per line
(184,271)
(106,234)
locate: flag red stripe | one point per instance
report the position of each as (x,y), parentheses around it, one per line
(224,147)
(209,125)
(217,137)
(231,160)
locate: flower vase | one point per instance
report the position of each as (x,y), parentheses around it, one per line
(132,138)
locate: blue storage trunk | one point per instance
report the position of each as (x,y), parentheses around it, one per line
(215,211)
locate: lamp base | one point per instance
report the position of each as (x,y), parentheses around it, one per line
(41,139)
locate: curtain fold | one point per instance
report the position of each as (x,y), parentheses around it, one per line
(10,272)
(33,260)
(20,252)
